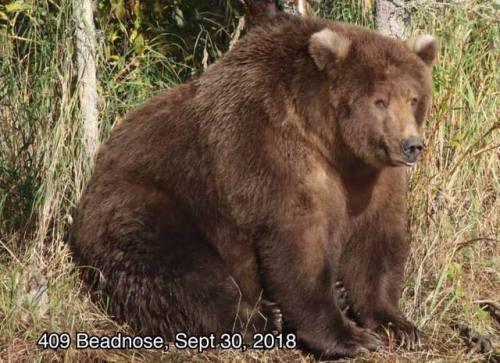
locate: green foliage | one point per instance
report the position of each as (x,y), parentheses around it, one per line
(193,33)
(145,46)
(35,86)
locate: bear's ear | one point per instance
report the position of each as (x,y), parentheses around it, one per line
(425,46)
(326,46)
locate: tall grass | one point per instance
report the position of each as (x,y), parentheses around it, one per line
(454,199)
(455,196)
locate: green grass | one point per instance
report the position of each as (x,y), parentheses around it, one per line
(455,196)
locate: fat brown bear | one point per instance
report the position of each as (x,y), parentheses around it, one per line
(277,174)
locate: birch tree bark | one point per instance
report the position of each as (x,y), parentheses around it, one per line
(87,80)
(392,17)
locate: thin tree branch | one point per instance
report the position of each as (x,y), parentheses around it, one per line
(87,80)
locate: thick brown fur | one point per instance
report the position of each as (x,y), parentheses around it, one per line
(275,174)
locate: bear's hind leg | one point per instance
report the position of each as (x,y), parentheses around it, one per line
(154,269)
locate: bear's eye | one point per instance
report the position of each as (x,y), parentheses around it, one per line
(380,104)
(414,101)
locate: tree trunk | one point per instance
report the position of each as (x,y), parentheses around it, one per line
(392,17)
(87,80)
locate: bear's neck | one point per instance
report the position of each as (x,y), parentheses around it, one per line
(351,169)
(359,179)
(348,164)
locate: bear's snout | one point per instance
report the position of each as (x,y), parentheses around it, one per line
(411,148)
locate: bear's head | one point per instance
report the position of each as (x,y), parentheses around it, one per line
(380,89)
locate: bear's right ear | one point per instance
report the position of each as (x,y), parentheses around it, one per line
(425,46)
(326,46)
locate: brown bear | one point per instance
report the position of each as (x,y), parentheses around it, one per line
(278,172)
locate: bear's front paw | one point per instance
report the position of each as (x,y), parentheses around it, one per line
(273,315)
(349,341)
(402,332)
(361,341)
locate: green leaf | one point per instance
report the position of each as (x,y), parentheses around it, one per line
(119,9)
(139,44)
(481,315)
(17,7)
(179,18)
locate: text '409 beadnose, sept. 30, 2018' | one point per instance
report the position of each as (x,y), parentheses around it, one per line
(199,343)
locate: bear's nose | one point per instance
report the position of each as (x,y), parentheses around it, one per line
(412,147)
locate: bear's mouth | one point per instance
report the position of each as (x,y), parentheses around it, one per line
(395,158)
(403,163)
